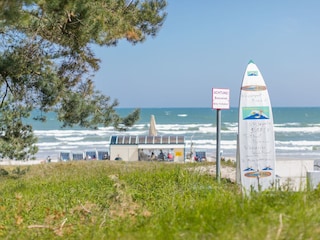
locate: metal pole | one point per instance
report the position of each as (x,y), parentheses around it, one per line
(218,145)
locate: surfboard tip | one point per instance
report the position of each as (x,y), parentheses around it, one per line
(251,61)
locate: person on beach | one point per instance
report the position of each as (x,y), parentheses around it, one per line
(161,155)
(105,156)
(48,159)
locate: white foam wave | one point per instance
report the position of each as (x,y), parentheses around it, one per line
(69,147)
(70,139)
(294,148)
(177,129)
(67,133)
(202,135)
(48,144)
(297,129)
(174,132)
(207,129)
(42,148)
(231,124)
(93,143)
(298,143)
(287,124)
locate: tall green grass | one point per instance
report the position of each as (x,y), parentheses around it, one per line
(118,200)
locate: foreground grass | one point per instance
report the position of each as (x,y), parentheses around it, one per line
(117,200)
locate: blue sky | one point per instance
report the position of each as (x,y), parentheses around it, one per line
(207,44)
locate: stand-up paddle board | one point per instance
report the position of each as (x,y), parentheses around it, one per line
(256,143)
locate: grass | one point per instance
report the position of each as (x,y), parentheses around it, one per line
(145,200)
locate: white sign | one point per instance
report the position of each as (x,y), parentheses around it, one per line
(220,98)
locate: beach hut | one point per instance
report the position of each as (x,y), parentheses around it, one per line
(103,155)
(77,156)
(148,148)
(64,156)
(91,154)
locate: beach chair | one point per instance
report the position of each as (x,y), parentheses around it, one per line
(200,156)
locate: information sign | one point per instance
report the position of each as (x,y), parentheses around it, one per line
(220,98)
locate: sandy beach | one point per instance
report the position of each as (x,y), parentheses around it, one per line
(290,172)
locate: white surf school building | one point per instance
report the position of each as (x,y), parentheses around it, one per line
(147,148)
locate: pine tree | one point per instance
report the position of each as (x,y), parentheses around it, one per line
(46,62)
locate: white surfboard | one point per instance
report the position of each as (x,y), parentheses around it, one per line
(256,142)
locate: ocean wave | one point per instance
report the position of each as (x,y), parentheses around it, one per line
(69,147)
(294,148)
(70,139)
(66,133)
(94,143)
(298,143)
(48,144)
(288,124)
(175,132)
(297,129)
(177,129)
(295,133)
(230,124)
(196,128)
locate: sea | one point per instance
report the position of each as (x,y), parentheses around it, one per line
(297,131)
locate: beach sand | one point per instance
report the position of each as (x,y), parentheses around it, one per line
(291,173)
(24,163)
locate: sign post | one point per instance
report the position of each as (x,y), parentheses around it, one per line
(220,100)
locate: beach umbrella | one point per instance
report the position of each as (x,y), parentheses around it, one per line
(152,127)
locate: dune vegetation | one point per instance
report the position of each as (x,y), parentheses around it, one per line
(145,200)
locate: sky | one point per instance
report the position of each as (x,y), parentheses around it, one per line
(207,44)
